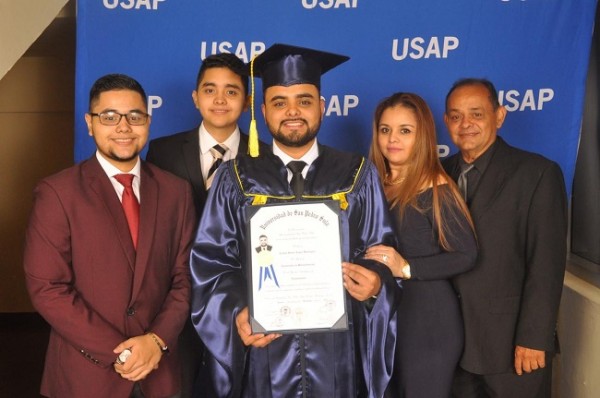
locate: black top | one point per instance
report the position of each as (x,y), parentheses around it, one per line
(418,240)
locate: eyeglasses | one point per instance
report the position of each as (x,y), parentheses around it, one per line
(112,118)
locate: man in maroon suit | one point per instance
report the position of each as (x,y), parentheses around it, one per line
(106,260)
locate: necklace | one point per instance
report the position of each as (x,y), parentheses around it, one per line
(397,181)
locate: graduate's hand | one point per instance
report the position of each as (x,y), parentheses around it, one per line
(360,282)
(528,359)
(245,331)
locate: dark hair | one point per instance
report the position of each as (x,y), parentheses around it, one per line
(115,81)
(471,81)
(224,60)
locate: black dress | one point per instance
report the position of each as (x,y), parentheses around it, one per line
(430,327)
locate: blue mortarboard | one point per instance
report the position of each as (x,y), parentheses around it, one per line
(286,65)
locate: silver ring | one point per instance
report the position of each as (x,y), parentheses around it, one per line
(384,257)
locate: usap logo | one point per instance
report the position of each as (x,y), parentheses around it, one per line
(132,4)
(310,4)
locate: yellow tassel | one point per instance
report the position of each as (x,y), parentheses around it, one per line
(253,132)
(253,139)
(342,198)
(259,200)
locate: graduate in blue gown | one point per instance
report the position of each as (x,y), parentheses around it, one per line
(356,362)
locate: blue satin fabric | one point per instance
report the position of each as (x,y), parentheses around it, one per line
(357,362)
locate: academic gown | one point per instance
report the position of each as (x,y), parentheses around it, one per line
(352,363)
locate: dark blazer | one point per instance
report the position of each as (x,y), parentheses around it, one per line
(511,297)
(86,280)
(259,248)
(180,154)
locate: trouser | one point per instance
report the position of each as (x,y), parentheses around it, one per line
(537,384)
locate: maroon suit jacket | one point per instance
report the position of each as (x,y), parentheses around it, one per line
(85,279)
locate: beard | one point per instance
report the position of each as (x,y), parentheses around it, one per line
(295,138)
(124,159)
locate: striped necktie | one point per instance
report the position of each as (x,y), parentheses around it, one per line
(217,152)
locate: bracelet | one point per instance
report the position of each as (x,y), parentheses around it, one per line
(163,349)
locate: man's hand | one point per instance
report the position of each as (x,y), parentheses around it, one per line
(360,282)
(245,331)
(528,359)
(144,358)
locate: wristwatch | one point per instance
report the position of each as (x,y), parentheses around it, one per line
(122,358)
(406,270)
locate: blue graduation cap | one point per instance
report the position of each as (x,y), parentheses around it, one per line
(286,65)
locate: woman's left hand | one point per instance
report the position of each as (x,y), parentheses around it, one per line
(388,256)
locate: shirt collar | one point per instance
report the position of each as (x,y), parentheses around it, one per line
(309,157)
(111,170)
(207,141)
(482,162)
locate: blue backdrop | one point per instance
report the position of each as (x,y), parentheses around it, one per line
(535,51)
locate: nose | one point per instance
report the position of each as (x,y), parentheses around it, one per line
(292,110)
(123,125)
(220,98)
(465,122)
(394,136)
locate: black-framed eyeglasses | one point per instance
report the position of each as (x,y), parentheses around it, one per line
(112,118)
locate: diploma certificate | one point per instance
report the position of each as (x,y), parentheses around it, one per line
(295,279)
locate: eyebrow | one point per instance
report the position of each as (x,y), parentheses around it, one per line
(229,85)
(401,125)
(297,96)
(116,111)
(477,108)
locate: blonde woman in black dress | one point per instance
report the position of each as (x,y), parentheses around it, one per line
(435,242)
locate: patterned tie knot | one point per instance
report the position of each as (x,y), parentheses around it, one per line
(218,151)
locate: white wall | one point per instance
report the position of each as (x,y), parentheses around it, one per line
(577,374)
(21,23)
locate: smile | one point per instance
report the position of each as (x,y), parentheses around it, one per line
(293,123)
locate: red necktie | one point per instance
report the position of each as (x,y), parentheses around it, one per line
(131,207)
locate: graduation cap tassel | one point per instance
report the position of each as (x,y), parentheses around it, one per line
(253,132)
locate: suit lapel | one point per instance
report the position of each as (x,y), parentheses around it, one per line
(148,210)
(243,147)
(101,185)
(453,167)
(492,181)
(191,157)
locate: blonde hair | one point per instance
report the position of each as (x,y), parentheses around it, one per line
(424,168)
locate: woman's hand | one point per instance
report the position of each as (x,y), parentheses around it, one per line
(388,256)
